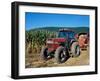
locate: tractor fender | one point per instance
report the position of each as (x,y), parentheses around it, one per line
(71,42)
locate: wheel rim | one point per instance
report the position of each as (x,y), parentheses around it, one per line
(77,50)
(63,55)
(47,54)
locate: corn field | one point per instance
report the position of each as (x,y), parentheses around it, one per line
(34,40)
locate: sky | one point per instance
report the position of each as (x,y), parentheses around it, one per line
(37,20)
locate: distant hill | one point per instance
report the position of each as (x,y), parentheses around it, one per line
(56,29)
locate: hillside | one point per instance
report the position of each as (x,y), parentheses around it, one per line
(56,29)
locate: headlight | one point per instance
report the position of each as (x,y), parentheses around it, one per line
(50,42)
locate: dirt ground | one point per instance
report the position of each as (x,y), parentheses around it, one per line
(34,60)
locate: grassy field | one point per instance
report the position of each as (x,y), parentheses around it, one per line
(34,60)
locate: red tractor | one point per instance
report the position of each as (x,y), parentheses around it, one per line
(62,47)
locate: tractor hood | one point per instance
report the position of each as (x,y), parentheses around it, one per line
(56,40)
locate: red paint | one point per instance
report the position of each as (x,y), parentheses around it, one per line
(55,43)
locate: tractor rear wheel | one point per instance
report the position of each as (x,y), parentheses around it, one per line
(75,49)
(61,54)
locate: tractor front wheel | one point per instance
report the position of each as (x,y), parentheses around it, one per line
(45,54)
(61,54)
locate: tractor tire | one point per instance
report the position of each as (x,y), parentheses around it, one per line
(44,54)
(75,49)
(61,54)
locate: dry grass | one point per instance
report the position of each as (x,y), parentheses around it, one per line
(33,60)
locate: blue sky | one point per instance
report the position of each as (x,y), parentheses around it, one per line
(36,20)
